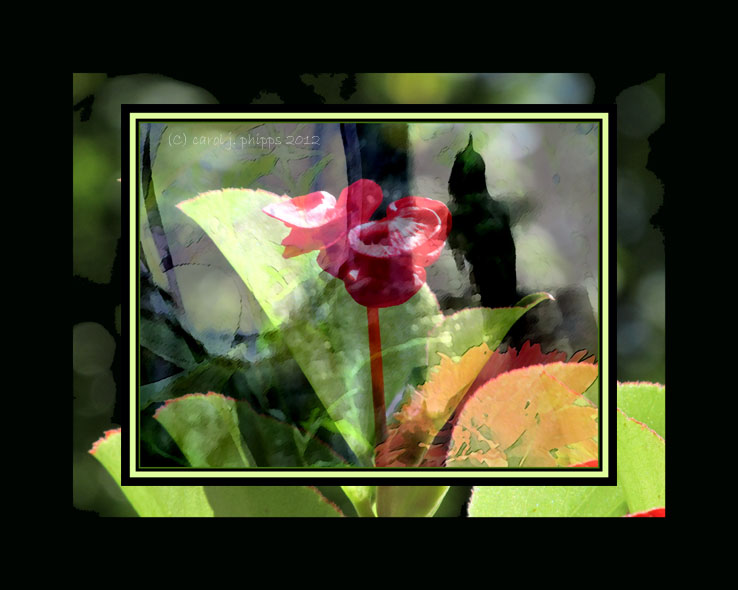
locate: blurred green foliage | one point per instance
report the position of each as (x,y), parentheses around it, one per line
(97,214)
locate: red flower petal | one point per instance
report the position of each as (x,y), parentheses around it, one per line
(382,282)
(332,258)
(360,200)
(429,218)
(318,221)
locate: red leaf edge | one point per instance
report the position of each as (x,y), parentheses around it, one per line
(107,435)
(658,512)
(190,395)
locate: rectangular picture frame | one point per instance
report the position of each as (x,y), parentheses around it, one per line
(137,122)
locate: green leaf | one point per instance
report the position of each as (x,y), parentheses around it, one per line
(205,428)
(269,501)
(593,392)
(641,484)
(323,327)
(641,465)
(161,339)
(646,402)
(227,501)
(251,242)
(307,178)
(457,333)
(275,444)
(216,431)
(246,174)
(210,375)
(150,500)
(409,501)
(362,497)
(547,501)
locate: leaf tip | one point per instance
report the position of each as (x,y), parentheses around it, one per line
(107,435)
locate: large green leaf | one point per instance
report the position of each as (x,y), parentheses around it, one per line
(641,484)
(646,402)
(323,327)
(641,465)
(229,501)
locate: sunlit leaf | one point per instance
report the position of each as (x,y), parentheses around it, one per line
(547,501)
(646,402)
(530,417)
(641,464)
(228,501)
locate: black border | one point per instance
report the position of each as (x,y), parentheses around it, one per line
(315,478)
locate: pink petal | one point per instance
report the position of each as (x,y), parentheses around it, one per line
(436,229)
(308,211)
(415,232)
(305,240)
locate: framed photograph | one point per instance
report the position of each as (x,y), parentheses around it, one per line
(369,295)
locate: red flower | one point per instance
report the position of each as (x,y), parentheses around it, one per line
(382,263)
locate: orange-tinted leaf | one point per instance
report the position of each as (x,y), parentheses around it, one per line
(529,417)
(499,363)
(429,408)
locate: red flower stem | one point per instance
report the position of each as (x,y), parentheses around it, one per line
(375,357)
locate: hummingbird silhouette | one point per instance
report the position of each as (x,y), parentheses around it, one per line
(480,231)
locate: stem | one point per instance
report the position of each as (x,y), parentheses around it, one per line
(375,357)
